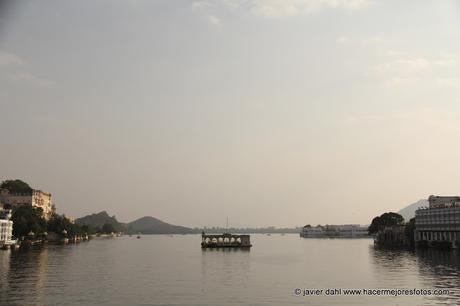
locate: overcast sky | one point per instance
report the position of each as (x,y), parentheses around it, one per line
(269,112)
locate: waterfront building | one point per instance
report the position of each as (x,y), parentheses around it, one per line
(312,231)
(344,230)
(440,222)
(35,198)
(6,228)
(225,240)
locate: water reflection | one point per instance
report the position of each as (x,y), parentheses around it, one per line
(394,268)
(164,270)
(390,259)
(4,271)
(26,272)
(422,268)
(441,269)
(224,272)
(440,258)
(226,250)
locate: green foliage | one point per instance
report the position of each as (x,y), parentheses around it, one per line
(27,218)
(386,219)
(58,224)
(16,186)
(97,221)
(108,228)
(88,229)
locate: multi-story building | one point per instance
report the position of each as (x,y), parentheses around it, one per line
(6,228)
(35,198)
(440,221)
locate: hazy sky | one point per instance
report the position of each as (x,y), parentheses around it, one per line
(269,112)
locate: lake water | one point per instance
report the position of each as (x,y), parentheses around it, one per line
(165,270)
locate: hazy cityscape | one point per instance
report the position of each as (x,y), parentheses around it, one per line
(229,152)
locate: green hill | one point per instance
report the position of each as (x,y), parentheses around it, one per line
(151,225)
(98,220)
(144,225)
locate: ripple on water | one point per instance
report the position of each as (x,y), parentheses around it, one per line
(174,270)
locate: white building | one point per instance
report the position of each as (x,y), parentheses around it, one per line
(439,222)
(312,231)
(6,228)
(345,230)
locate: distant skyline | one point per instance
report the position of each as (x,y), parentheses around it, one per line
(280,113)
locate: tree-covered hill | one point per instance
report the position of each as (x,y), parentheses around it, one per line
(151,225)
(97,221)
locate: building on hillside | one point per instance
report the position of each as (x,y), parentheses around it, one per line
(440,222)
(35,198)
(6,228)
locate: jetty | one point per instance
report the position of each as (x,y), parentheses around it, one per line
(225,240)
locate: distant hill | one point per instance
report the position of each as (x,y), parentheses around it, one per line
(144,225)
(151,225)
(409,211)
(96,221)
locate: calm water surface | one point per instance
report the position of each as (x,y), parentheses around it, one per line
(165,270)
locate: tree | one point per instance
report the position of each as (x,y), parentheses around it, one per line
(88,229)
(409,231)
(27,218)
(108,228)
(59,223)
(16,186)
(386,219)
(375,226)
